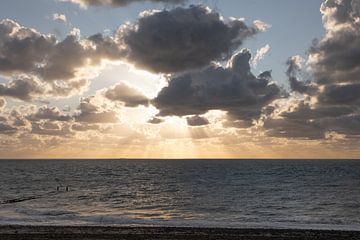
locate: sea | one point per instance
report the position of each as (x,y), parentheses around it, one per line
(301,194)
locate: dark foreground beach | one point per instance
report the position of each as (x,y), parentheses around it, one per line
(162,233)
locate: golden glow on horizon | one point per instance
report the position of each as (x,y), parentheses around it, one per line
(188,148)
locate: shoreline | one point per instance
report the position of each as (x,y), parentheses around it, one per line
(24,232)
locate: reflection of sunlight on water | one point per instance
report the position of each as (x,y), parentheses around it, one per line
(158,214)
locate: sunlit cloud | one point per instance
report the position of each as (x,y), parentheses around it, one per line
(177,82)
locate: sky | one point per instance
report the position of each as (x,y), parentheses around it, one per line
(179,79)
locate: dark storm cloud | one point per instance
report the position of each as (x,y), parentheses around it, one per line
(119,3)
(312,121)
(24,50)
(335,89)
(306,112)
(181,39)
(126,94)
(336,58)
(348,125)
(160,41)
(196,121)
(91,113)
(233,89)
(340,11)
(21,48)
(285,128)
(341,94)
(25,89)
(306,122)
(54,63)
(67,56)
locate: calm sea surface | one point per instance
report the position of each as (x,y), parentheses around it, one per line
(214,193)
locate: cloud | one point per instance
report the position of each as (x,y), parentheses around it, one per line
(233,89)
(180,39)
(118,3)
(156,120)
(285,128)
(2,103)
(50,129)
(331,100)
(22,48)
(348,94)
(28,88)
(305,111)
(59,17)
(7,129)
(260,54)
(336,57)
(43,62)
(348,125)
(46,113)
(196,121)
(41,66)
(98,117)
(68,56)
(89,112)
(126,94)
(21,88)
(261,26)
(294,69)
(83,127)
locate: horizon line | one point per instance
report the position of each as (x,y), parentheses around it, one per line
(173,159)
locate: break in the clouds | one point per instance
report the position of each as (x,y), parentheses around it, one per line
(331,96)
(180,39)
(233,89)
(119,3)
(294,64)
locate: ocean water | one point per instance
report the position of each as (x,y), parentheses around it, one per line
(201,193)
